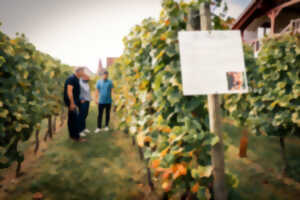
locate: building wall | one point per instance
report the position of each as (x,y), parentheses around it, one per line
(250,35)
(251,32)
(258,22)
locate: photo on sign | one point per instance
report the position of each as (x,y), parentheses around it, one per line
(236,81)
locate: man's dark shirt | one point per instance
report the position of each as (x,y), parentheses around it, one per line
(74,81)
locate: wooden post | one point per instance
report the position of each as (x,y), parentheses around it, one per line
(272,15)
(193,20)
(205,17)
(272,18)
(220,192)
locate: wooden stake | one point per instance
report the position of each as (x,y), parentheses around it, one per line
(244,144)
(220,192)
(54,124)
(37,141)
(218,149)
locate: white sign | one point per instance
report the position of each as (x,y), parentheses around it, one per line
(212,62)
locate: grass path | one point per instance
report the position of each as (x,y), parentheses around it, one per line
(106,167)
(260,174)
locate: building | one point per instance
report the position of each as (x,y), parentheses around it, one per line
(101,69)
(110,61)
(263,17)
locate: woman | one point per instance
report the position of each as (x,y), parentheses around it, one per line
(85,98)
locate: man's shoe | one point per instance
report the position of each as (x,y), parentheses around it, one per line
(82,134)
(98,130)
(82,140)
(75,140)
(106,128)
(86,131)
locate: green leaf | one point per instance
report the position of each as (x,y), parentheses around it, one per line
(202,171)
(2,60)
(214,140)
(3,113)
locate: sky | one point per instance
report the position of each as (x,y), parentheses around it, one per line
(80,32)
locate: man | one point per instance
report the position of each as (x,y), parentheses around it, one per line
(71,98)
(85,98)
(104,89)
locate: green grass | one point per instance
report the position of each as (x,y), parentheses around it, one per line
(260,173)
(106,167)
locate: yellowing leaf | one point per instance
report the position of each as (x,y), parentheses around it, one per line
(202,172)
(167,173)
(155,164)
(52,74)
(22,84)
(137,75)
(4,113)
(160,54)
(144,85)
(128,119)
(160,119)
(179,170)
(163,37)
(165,129)
(18,116)
(149,97)
(25,74)
(207,194)
(195,188)
(191,153)
(9,50)
(164,152)
(147,139)
(26,55)
(214,141)
(38,125)
(175,82)
(140,140)
(18,128)
(172,137)
(296,118)
(167,185)
(14,42)
(178,152)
